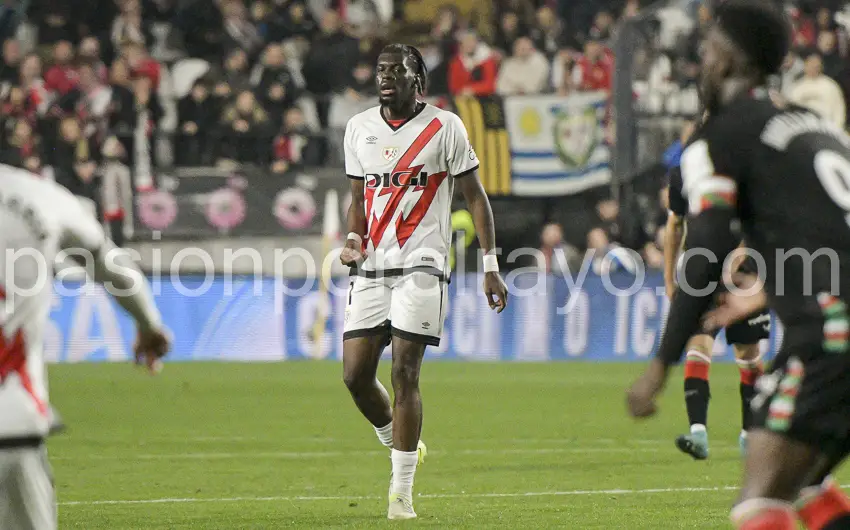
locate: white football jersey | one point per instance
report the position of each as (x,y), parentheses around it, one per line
(409,174)
(39,218)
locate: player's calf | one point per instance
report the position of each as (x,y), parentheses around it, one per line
(697,390)
(360,365)
(750,367)
(407,413)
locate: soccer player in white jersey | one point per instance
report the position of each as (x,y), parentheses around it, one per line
(404,158)
(40,219)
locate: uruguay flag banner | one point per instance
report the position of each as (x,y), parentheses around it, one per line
(557,143)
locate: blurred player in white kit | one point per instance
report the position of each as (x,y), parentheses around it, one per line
(39,219)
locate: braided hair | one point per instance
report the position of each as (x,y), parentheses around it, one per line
(411,52)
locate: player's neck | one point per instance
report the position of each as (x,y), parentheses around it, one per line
(405,112)
(736,86)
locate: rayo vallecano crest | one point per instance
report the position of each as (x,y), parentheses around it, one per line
(390,153)
(576,136)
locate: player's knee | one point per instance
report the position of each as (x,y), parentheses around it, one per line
(746,352)
(703,344)
(405,376)
(354,379)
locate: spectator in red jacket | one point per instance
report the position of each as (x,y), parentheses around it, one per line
(141,64)
(594,70)
(62,76)
(472,72)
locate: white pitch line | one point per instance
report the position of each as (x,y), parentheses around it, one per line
(301,498)
(335,454)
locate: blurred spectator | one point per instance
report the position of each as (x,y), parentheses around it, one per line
(237,71)
(121,111)
(11,61)
(824,20)
(245,131)
(62,76)
(362,84)
(525,72)
(295,145)
(689,50)
(833,63)
(128,28)
(141,64)
(290,20)
(38,98)
(445,29)
(240,30)
(509,31)
(803,29)
(472,72)
(276,88)
(148,114)
(73,160)
(547,32)
(116,191)
(594,70)
(196,115)
(524,9)
(331,57)
(89,50)
(562,71)
(53,20)
(559,256)
(603,26)
(14,106)
(89,101)
(361,17)
(202,27)
(819,93)
(790,73)
(22,147)
(159,10)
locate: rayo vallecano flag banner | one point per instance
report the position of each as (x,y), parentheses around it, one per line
(557,143)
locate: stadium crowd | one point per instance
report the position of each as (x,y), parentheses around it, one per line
(100,94)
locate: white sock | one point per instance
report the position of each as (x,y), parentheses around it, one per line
(404,467)
(743,434)
(697,427)
(385,434)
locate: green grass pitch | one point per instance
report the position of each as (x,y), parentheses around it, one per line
(232,446)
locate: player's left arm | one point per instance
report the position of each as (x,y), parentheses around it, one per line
(463,167)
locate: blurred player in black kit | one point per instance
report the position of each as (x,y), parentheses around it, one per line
(743,336)
(781,175)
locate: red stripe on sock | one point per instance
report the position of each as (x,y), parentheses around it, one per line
(749,375)
(831,504)
(771,519)
(696,370)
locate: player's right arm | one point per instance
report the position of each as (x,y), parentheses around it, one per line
(114,269)
(672,242)
(674,230)
(352,252)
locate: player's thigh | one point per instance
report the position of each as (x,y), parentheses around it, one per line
(28,501)
(778,466)
(702,342)
(366,328)
(367,308)
(418,309)
(745,335)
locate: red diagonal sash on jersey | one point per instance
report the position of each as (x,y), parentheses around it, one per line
(404,227)
(13,360)
(379,225)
